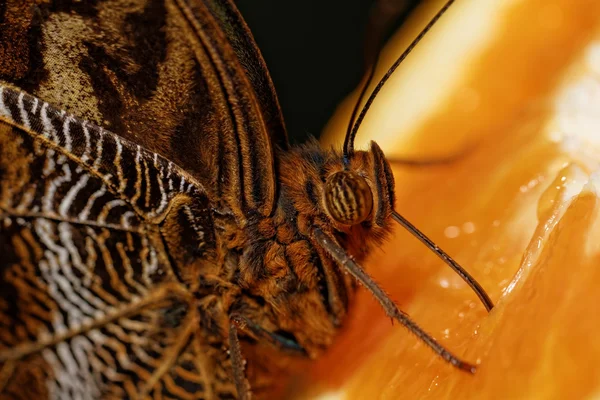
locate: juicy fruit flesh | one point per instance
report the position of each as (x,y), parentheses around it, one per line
(518,209)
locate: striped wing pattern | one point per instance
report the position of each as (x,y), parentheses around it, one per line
(91,303)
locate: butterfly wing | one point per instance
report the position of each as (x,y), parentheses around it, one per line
(241,41)
(182,78)
(93,302)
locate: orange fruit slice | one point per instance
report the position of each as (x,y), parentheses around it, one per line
(512,89)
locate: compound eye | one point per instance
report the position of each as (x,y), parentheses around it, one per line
(348,198)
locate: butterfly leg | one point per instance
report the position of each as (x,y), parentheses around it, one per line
(279,341)
(237,362)
(238,322)
(390,308)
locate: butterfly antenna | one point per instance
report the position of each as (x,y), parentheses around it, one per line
(349,139)
(473,284)
(351,133)
(354,125)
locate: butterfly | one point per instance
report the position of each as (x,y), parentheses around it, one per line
(157,230)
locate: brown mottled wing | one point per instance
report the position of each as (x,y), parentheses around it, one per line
(182,78)
(91,302)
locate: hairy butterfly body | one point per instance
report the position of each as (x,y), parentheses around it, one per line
(153,216)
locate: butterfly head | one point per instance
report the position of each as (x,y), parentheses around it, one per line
(352,204)
(353,200)
(359,192)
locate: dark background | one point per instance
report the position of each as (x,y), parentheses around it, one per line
(313,50)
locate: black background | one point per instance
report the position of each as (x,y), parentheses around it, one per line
(313,50)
